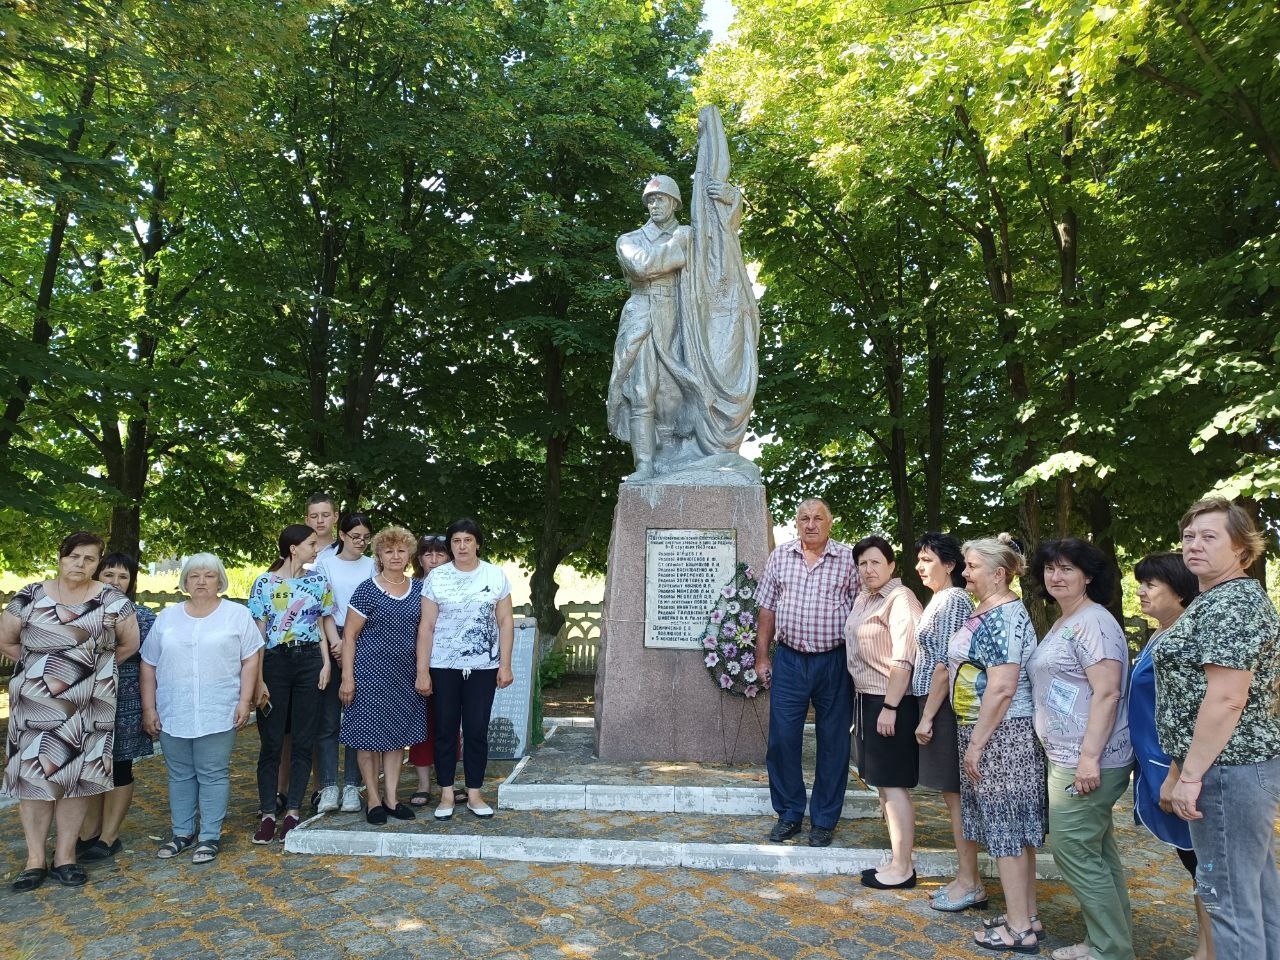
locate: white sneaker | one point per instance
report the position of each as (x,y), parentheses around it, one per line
(328,800)
(350,798)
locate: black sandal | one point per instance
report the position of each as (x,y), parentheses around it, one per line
(30,879)
(70,875)
(991,940)
(205,851)
(1002,921)
(419,798)
(174,847)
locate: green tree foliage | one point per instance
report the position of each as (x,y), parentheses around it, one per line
(1020,257)
(254,250)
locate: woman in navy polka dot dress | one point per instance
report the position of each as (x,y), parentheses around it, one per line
(383,712)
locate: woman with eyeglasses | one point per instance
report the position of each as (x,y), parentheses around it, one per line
(346,569)
(432,552)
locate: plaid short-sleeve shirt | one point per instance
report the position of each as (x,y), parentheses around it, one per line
(810,605)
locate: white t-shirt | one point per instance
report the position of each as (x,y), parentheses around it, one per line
(344,576)
(197,661)
(466,636)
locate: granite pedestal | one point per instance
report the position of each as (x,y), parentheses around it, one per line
(662,704)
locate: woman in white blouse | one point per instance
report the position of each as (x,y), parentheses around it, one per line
(199,671)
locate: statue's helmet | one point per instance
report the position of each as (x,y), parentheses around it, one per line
(665,185)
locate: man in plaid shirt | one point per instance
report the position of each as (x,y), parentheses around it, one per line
(805,596)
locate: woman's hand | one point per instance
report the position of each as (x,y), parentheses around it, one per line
(325,672)
(261,696)
(347,690)
(243,710)
(1166,789)
(151,722)
(505,677)
(1183,799)
(1088,776)
(924,732)
(887,722)
(423,683)
(972,757)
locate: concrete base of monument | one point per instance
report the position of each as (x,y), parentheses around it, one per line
(644,822)
(564,774)
(657,703)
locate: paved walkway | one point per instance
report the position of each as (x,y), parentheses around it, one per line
(255,903)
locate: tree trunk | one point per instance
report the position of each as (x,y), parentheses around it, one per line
(41,328)
(550,549)
(318,346)
(937,400)
(1098,507)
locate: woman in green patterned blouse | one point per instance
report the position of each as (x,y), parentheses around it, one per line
(1219,664)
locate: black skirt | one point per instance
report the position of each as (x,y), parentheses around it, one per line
(887,761)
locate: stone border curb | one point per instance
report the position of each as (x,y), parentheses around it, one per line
(750,857)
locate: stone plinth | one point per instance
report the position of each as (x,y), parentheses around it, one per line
(662,704)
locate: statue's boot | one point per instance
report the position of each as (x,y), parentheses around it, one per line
(643,448)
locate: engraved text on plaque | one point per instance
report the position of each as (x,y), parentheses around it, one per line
(684,573)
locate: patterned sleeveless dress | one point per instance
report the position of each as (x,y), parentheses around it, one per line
(62,698)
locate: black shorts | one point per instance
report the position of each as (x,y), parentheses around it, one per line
(1188,858)
(886,761)
(121,773)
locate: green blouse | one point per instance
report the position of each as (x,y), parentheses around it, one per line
(1231,625)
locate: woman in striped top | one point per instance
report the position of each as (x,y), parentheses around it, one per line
(940,565)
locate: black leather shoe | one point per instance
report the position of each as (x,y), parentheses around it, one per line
(99,850)
(820,836)
(869,879)
(784,830)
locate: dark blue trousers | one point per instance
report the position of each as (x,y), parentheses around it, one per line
(798,680)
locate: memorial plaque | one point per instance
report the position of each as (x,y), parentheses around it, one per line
(684,572)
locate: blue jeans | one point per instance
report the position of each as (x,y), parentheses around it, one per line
(1235,844)
(199,776)
(798,680)
(327,742)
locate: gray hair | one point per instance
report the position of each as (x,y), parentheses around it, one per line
(999,553)
(812,501)
(203,561)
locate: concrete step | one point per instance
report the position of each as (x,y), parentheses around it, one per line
(621,839)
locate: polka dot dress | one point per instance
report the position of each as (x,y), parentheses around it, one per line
(387,713)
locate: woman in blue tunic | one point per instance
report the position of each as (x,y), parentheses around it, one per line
(383,712)
(1165,588)
(100,833)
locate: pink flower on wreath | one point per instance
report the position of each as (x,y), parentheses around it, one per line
(717,616)
(708,643)
(728,592)
(726,681)
(711,660)
(751,573)
(752,690)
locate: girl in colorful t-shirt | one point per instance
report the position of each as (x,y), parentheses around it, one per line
(294,610)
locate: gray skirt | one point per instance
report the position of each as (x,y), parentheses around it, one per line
(940,757)
(1008,808)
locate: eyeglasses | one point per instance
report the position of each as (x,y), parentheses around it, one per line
(359,537)
(434,541)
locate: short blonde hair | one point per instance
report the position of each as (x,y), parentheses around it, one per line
(203,561)
(391,536)
(999,553)
(1240,526)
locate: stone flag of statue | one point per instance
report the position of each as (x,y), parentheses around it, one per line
(686,357)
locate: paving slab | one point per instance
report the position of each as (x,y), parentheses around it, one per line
(260,903)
